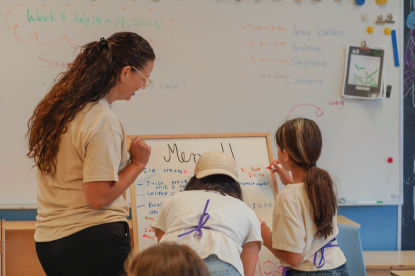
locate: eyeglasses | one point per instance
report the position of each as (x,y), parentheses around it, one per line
(147,80)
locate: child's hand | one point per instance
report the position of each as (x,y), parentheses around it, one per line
(284,174)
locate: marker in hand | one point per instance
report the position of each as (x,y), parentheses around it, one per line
(272,167)
(282,172)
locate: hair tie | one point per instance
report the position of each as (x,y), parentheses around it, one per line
(306,166)
(103,43)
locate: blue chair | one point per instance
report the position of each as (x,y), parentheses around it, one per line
(348,240)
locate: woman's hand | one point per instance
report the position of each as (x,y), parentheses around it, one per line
(139,152)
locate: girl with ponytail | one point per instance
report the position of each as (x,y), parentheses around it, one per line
(305,211)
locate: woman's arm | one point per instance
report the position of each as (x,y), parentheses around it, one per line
(249,256)
(102,193)
(288,257)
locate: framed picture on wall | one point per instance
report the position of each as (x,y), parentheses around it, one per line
(363,73)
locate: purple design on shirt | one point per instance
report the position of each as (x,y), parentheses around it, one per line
(322,260)
(286,272)
(202,221)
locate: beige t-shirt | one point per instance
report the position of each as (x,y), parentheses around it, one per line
(93,149)
(294,229)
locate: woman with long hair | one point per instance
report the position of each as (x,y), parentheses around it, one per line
(83,165)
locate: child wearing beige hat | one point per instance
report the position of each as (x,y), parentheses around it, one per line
(210,217)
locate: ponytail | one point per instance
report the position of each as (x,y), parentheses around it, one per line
(320,191)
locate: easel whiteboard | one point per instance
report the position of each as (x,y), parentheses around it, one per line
(171,165)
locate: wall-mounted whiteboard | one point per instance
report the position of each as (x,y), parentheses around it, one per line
(222,66)
(171,165)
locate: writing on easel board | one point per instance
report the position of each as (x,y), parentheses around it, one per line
(171,166)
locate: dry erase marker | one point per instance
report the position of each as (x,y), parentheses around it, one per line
(370,202)
(273,167)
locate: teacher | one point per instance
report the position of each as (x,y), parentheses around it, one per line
(83,166)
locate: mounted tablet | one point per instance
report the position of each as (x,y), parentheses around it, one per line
(363,73)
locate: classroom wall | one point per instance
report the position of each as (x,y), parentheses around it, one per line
(379,223)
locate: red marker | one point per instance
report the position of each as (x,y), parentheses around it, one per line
(272,167)
(390,160)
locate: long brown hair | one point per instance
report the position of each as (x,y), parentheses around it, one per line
(301,138)
(89,78)
(167,258)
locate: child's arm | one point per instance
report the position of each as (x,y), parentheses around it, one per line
(290,258)
(249,256)
(159,233)
(284,175)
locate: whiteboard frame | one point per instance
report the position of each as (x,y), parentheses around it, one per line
(265,135)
